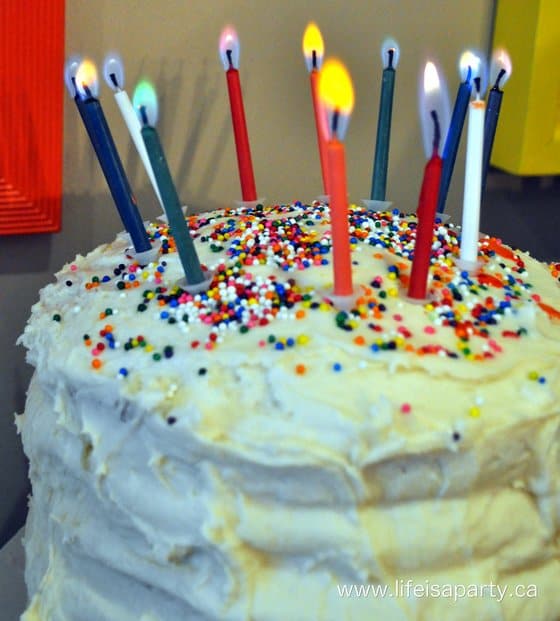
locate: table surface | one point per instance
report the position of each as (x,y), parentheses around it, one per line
(13,596)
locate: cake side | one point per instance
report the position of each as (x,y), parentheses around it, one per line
(234,448)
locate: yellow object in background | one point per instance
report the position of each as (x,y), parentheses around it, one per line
(528,135)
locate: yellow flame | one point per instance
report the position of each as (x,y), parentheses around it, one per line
(313,40)
(86,74)
(431,78)
(336,91)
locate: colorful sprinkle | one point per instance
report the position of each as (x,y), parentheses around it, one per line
(293,238)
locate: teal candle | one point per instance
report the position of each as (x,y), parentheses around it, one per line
(146,104)
(390,57)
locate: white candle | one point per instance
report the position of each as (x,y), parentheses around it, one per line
(114,76)
(473,180)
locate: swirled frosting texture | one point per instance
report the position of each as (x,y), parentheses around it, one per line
(237,454)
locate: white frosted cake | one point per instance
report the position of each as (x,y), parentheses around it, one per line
(255,453)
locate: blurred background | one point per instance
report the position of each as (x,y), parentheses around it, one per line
(175,45)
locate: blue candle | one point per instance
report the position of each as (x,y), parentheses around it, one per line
(453,138)
(85,82)
(145,102)
(499,74)
(70,71)
(390,58)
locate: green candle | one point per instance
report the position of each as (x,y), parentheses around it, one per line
(145,102)
(390,57)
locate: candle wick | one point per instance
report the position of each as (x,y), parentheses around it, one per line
(76,92)
(144,115)
(229,57)
(114,80)
(497,82)
(391,53)
(86,90)
(437,132)
(469,75)
(314,59)
(477,86)
(334,121)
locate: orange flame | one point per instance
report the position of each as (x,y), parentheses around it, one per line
(87,76)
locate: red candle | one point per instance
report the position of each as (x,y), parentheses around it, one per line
(434,113)
(313,50)
(229,53)
(336,95)
(432,175)
(427,207)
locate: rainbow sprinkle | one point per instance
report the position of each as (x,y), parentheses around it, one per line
(463,318)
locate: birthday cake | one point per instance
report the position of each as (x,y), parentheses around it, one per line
(261,451)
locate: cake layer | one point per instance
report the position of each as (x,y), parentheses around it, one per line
(242,453)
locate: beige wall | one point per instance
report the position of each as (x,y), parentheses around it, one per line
(175,44)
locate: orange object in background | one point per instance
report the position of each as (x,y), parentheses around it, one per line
(31,91)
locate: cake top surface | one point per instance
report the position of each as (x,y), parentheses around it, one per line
(265,354)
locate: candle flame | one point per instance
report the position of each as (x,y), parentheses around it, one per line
(467,61)
(431,78)
(86,79)
(433,96)
(229,42)
(387,46)
(500,68)
(113,71)
(70,71)
(145,103)
(313,42)
(336,94)
(475,61)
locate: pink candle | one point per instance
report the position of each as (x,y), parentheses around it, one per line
(229,54)
(336,94)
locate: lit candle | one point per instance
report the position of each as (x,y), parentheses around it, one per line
(70,70)
(500,71)
(473,179)
(113,72)
(145,102)
(434,115)
(85,89)
(336,94)
(390,59)
(229,54)
(313,50)
(433,97)
(453,138)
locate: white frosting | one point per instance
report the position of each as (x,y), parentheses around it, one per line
(249,492)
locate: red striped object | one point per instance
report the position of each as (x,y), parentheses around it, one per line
(31,92)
